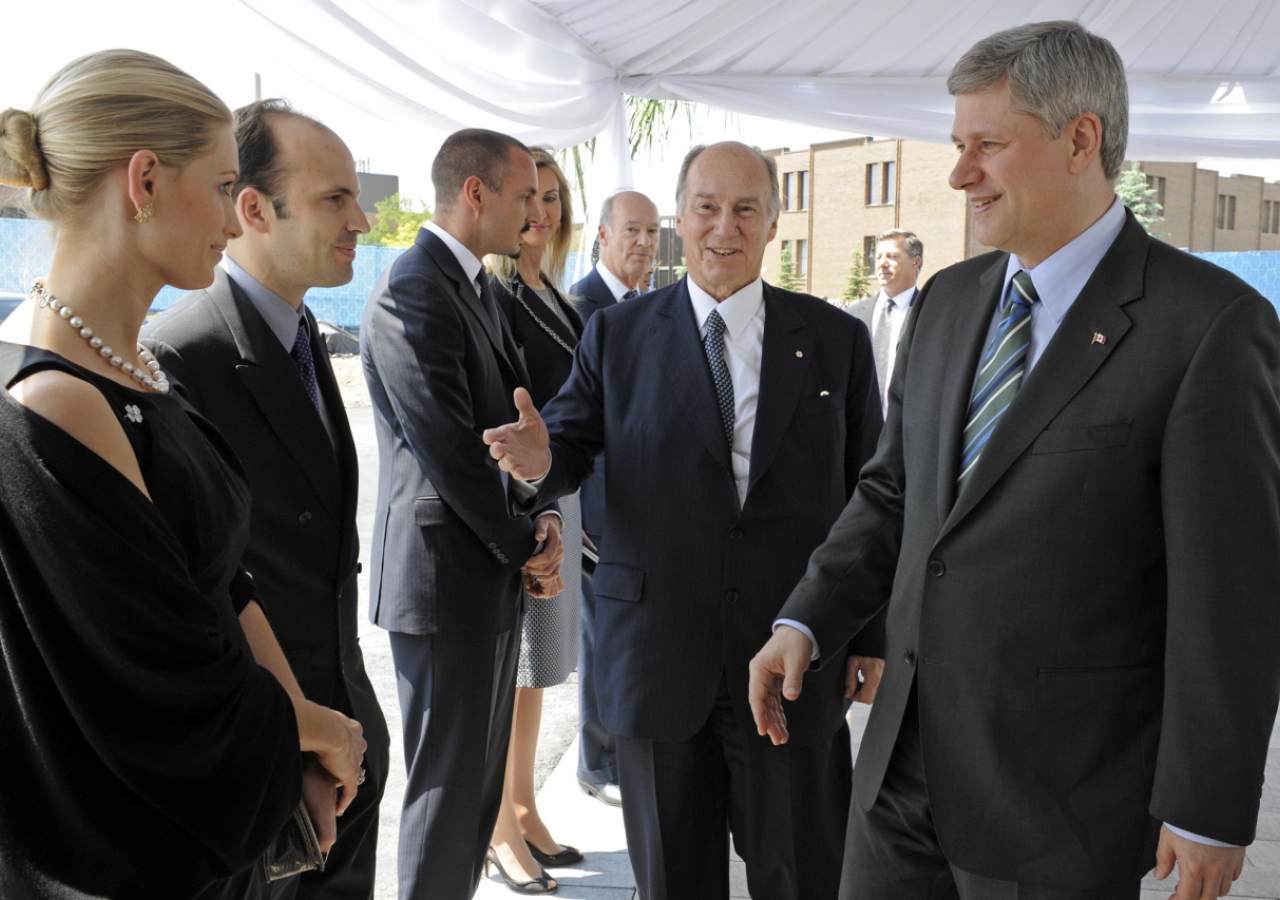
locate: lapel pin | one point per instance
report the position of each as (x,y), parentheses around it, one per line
(1098,338)
(799,353)
(825,394)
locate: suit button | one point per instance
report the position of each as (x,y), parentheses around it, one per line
(731,596)
(493,545)
(736,534)
(936,568)
(304,516)
(908,657)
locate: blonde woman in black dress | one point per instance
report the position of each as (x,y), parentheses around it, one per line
(547,327)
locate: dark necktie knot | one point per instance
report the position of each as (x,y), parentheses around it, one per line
(302,357)
(631,294)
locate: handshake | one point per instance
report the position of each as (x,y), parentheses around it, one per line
(523,449)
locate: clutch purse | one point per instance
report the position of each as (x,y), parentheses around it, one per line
(295,850)
(590,559)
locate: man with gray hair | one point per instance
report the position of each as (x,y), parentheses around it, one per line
(899,255)
(735,416)
(628,241)
(1073,519)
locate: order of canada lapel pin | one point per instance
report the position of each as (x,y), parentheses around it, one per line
(1098,338)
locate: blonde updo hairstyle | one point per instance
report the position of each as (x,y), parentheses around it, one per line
(94,115)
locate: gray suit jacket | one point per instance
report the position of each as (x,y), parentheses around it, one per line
(1093,627)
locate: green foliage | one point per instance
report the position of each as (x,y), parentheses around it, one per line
(787,278)
(1134,193)
(858,284)
(398,222)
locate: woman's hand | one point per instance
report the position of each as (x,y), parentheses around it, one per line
(338,743)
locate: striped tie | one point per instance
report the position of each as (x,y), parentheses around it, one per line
(1003,365)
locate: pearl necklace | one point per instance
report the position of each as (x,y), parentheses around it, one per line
(150,376)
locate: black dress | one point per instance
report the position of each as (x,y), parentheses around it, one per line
(146,754)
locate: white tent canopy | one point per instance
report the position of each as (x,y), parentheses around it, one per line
(1204,75)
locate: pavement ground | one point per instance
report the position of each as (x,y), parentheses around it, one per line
(588,824)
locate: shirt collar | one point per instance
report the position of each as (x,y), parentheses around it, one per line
(902,301)
(278,313)
(1060,278)
(615,285)
(737,310)
(470,265)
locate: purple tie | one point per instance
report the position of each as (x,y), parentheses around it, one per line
(301,354)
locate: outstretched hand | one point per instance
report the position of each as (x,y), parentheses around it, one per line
(521,448)
(777,671)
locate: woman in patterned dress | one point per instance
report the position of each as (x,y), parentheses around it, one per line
(546,327)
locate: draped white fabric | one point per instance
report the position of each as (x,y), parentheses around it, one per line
(1204,74)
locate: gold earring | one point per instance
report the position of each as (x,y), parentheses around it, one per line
(144,214)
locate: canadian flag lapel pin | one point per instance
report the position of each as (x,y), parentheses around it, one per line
(1098,338)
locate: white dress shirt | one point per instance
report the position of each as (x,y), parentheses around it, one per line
(612,282)
(899,307)
(743,315)
(470,264)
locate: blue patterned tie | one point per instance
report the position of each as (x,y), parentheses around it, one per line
(629,295)
(301,354)
(714,345)
(1000,376)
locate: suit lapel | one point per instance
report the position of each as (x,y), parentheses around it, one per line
(345,443)
(465,293)
(1069,361)
(271,377)
(685,364)
(785,356)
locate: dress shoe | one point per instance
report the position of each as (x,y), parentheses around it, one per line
(602,791)
(569,856)
(541,885)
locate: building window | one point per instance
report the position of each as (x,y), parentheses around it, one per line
(1227,212)
(873,184)
(890,182)
(802,190)
(802,259)
(882,186)
(1275,217)
(1156,183)
(1271,216)
(1266,216)
(786,190)
(869,253)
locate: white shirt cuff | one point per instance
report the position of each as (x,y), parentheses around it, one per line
(803,629)
(1208,842)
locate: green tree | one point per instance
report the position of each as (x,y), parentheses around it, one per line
(398,222)
(787,278)
(858,284)
(1136,194)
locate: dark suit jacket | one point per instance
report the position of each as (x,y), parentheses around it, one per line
(447,550)
(593,295)
(303,547)
(546,345)
(1092,627)
(689,581)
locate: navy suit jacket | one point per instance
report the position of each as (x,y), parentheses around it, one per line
(447,551)
(593,295)
(689,580)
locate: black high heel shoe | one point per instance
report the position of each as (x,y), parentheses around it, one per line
(540,885)
(569,856)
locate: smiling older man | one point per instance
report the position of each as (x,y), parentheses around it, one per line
(735,417)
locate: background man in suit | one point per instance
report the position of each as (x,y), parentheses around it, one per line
(447,550)
(230,346)
(629,233)
(899,255)
(1083,646)
(735,417)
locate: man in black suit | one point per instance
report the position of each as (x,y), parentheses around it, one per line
(448,552)
(899,255)
(629,232)
(247,352)
(1073,517)
(735,417)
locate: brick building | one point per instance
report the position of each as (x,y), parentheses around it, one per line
(838,196)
